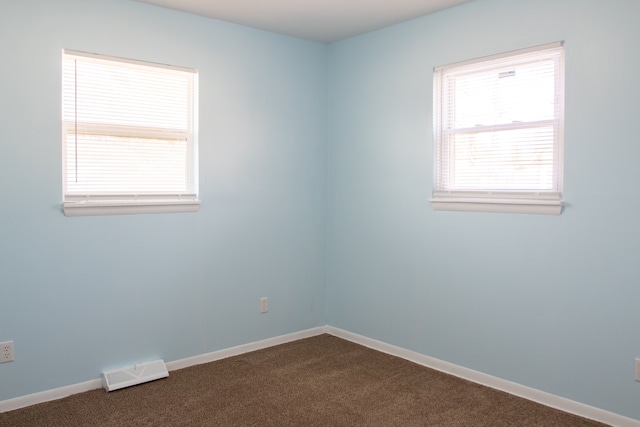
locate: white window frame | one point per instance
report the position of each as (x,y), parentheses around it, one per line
(530,201)
(131,201)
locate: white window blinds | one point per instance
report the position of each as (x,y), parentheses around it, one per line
(498,126)
(128,132)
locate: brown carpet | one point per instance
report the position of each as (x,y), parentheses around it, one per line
(319,381)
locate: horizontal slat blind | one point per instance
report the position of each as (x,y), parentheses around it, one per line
(499,123)
(128,127)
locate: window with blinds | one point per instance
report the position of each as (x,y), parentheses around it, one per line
(498,125)
(129,136)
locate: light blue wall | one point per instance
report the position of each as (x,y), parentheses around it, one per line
(551,302)
(79,295)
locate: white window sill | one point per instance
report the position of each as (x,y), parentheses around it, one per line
(522,203)
(87,206)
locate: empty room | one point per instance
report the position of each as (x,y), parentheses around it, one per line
(453,184)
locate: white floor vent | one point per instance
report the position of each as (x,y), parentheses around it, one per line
(135,374)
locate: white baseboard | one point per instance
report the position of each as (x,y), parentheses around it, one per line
(529,393)
(245,348)
(525,392)
(48,395)
(59,393)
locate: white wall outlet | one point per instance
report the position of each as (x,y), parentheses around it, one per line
(264,305)
(637,376)
(6,351)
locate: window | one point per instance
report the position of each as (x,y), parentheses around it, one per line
(498,125)
(129,136)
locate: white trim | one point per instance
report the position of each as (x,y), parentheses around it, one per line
(125,207)
(101,57)
(496,205)
(529,202)
(62,392)
(538,396)
(539,48)
(244,348)
(49,395)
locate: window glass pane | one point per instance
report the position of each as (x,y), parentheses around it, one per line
(128,127)
(517,159)
(507,94)
(117,165)
(117,94)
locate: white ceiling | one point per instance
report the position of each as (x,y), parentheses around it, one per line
(324,21)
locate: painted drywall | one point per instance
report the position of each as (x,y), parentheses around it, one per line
(550,302)
(80,295)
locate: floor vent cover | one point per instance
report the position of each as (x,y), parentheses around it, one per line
(135,374)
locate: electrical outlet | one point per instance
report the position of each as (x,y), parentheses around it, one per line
(637,376)
(264,305)
(6,351)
